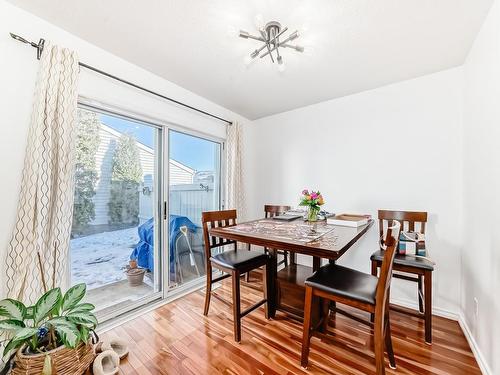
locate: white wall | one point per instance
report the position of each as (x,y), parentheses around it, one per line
(18,67)
(396,147)
(481,250)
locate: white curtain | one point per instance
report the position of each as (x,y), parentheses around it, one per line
(235,198)
(45,208)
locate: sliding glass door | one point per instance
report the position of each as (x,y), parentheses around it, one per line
(194,167)
(140,189)
(115,238)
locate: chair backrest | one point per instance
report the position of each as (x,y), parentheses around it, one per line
(274,210)
(216,219)
(384,281)
(407,219)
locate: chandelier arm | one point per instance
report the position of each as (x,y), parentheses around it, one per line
(272,50)
(278,35)
(289,38)
(296,48)
(268,46)
(260,39)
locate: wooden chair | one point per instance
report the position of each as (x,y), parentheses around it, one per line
(234,263)
(357,289)
(272,211)
(410,264)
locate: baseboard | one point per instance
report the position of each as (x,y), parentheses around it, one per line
(444,313)
(481,361)
(459,317)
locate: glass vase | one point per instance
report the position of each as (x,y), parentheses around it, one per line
(312,214)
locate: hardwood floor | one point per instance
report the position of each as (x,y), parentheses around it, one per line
(178,339)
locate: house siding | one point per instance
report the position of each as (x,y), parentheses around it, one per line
(179,174)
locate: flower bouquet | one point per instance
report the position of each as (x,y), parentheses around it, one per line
(313,201)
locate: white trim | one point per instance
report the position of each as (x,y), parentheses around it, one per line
(133,314)
(460,318)
(481,361)
(438,311)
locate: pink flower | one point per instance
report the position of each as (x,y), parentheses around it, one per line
(314,195)
(305,192)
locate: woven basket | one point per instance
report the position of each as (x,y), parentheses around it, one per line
(65,361)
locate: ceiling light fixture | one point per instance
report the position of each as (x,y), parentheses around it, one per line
(271,35)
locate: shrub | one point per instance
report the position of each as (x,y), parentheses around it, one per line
(86,175)
(125,180)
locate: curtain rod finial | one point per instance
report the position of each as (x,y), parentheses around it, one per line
(20,38)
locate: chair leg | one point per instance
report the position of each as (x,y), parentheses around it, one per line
(325,314)
(306,336)
(265,288)
(388,343)
(247,277)
(208,291)
(420,294)
(379,343)
(428,306)
(285,254)
(236,306)
(374,273)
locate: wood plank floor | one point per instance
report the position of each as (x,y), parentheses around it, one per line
(178,339)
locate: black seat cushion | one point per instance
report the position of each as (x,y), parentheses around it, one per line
(345,282)
(405,260)
(236,259)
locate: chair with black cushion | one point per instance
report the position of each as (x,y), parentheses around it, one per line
(405,266)
(233,263)
(334,283)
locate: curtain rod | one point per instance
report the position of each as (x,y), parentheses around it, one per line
(39,47)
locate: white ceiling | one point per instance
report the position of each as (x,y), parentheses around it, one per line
(356,44)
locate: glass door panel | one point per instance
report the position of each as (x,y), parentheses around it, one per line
(194,186)
(115,217)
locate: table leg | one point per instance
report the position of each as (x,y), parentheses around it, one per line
(316,263)
(272,297)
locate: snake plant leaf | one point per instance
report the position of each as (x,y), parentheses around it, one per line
(83,307)
(46,304)
(12,309)
(11,325)
(73,296)
(86,318)
(69,334)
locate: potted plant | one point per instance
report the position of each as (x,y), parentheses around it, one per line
(51,337)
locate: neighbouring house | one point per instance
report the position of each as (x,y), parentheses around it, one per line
(180,174)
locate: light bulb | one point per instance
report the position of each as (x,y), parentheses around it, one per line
(259,21)
(281,67)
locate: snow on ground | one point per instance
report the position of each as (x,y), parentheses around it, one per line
(100,259)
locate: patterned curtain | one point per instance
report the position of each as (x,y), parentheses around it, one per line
(43,223)
(235,198)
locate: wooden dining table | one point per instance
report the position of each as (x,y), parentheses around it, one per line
(318,240)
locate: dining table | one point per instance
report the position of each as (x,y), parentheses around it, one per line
(318,240)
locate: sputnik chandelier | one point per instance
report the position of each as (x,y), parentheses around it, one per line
(272,35)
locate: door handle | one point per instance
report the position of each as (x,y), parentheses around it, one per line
(165,210)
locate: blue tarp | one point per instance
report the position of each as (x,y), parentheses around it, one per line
(144,251)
